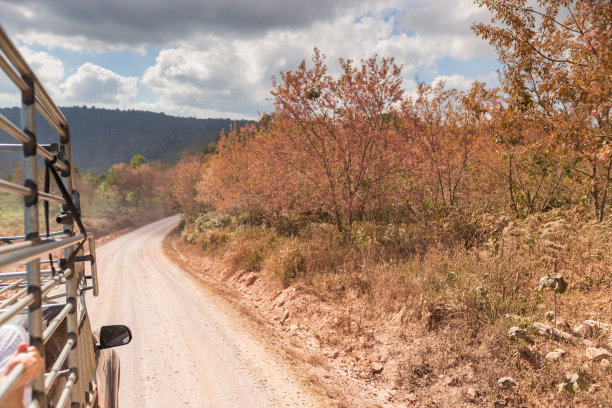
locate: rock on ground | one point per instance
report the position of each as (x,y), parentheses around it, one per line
(598,354)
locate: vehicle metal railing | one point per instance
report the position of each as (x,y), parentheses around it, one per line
(31,290)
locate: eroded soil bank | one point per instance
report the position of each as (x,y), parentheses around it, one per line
(361,354)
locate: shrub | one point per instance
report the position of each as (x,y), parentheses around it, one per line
(213,238)
(251,246)
(288,262)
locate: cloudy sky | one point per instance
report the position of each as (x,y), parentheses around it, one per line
(215,58)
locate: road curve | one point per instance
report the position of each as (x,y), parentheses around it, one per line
(189,349)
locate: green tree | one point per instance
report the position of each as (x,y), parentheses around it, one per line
(137,161)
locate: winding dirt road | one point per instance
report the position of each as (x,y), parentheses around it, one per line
(189,348)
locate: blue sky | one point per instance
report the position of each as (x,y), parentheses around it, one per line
(215,58)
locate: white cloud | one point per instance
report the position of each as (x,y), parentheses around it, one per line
(77,43)
(462,82)
(8,99)
(213,74)
(134,23)
(218,56)
(92,84)
(48,69)
(212,81)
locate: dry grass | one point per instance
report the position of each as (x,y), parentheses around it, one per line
(463,279)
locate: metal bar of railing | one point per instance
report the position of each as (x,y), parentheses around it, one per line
(6,147)
(13,130)
(14,298)
(58,365)
(47,104)
(66,392)
(9,381)
(51,198)
(49,156)
(50,119)
(23,290)
(6,67)
(51,107)
(12,188)
(36,251)
(13,55)
(94,265)
(20,237)
(31,215)
(57,296)
(51,283)
(15,58)
(11,286)
(75,359)
(16,147)
(56,322)
(21,136)
(8,313)
(6,249)
(8,187)
(15,275)
(46,261)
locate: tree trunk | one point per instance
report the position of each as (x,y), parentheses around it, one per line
(511,185)
(595,189)
(604,196)
(338,218)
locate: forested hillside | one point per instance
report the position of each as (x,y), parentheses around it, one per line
(103,137)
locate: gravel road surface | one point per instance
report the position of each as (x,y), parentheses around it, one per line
(189,348)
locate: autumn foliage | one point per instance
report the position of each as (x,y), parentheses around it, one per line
(356,146)
(349,148)
(431,212)
(557,59)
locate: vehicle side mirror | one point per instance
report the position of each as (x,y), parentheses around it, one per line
(113,336)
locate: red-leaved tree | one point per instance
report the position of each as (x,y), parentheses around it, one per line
(340,144)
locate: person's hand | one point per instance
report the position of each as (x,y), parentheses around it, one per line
(30,358)
(33,363)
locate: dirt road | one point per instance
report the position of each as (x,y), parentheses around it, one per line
(189,348)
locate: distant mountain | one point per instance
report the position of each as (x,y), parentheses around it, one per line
(103,137)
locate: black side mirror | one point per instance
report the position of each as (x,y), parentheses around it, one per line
(113,336)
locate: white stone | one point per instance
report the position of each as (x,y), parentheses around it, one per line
(376,367)
(507,382)
(555,355)
(598,354)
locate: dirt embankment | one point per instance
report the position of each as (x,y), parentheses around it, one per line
(350,353)
(361,354)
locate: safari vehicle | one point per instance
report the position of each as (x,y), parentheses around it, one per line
(81,369)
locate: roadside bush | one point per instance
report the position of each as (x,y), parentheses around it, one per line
(287,262)
(212,239)
(250,247)
(208,220)
(392,241)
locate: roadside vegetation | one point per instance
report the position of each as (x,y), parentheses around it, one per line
(446,208)
(125,196)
